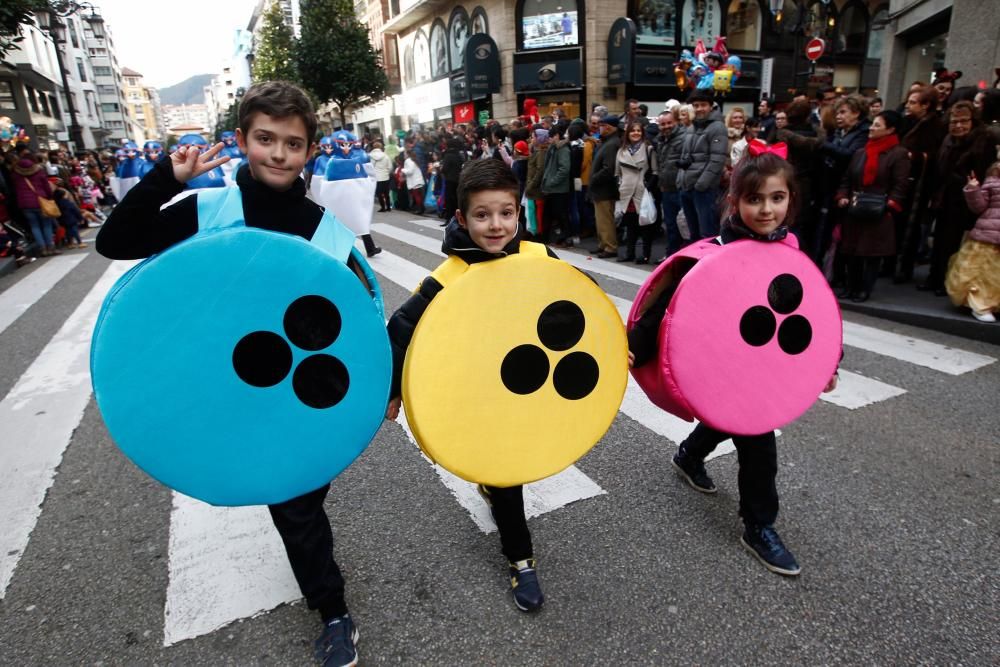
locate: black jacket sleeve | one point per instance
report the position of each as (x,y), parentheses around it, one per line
(137,228)
(403,323)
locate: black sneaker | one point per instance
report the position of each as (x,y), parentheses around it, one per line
(524,581)
(693,473)
(337,646)
(374,252)
(764,543)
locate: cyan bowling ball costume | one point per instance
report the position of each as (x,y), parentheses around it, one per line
(243,366)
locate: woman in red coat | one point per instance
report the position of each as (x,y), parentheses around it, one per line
(30,182)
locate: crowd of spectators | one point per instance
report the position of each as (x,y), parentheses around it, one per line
(589,176)
(47,196)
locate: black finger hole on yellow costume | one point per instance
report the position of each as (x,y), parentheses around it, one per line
(794,334)
(321,381)
(784,293)
(312,322)
(576,375)
(525,369)
(757,325)
(262,359)
(561,325)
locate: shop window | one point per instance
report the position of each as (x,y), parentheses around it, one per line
(852,26)
(480,22)
(655,21)
(439,50)
(743,25)
(458,35)
(876,39)
(546,24)
(786,22)
(701,19)
(819,20)
(408,73)
(7,99)
(421,58)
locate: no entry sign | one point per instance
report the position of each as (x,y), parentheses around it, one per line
(815,48)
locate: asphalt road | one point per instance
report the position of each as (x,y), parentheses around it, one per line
(891,509)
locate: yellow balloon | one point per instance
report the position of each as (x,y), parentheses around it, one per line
(515,371)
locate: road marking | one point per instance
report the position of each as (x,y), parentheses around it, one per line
(225,563)
(856,391)
(914,350)
(23,294)
(547,495)
(39,416)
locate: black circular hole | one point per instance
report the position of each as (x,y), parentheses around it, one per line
(561,325)
(576,375)
(262,359)
(321,381)
(312,322)
(784,293)
(757,325)
(795,334)
(525,369)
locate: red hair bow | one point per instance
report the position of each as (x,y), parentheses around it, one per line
(757,147)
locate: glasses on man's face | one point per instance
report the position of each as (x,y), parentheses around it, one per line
(960,121)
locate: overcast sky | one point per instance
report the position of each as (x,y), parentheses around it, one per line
(200,35)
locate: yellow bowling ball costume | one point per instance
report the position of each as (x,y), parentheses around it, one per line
(515,370)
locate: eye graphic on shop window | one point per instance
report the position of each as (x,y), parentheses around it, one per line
(547,72)
(483,51)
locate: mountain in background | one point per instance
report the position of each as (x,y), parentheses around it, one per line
(188,91)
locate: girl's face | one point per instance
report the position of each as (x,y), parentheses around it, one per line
(635,134)
(765,210)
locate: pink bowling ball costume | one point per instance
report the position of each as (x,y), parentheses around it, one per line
(750,338)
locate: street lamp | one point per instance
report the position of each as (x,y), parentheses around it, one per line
(50,20)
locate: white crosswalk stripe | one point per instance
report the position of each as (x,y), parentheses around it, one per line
(226,564)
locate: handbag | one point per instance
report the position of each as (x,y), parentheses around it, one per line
(867,206)
(50,209)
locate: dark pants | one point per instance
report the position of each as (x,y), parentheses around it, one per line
(305,530)
(671,203)
(862,272)
(758,461)
(634,231)
(586,211)
(702,213)
(507,507)
(556,214)
(382,194)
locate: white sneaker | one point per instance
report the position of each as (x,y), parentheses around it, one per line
(984,317)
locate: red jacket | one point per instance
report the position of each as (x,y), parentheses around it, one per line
(25,171)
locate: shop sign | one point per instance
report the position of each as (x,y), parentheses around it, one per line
(463,113)
(822,76)
(484,117)
(482,66)
(654,69)
(621,51)
(548,71)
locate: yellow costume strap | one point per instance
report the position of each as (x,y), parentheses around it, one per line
(454,267)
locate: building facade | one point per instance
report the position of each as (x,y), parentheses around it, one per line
(120,126)
(187,116)
(140,104)
(30,84)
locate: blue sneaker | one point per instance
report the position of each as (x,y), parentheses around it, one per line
(524,581)
(763,542)
(337,646)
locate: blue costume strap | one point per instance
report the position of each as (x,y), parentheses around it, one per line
(220,208)
(333,237)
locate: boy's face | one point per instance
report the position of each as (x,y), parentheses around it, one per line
(491,219)
(276,148)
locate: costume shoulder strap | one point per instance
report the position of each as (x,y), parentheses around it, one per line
(333,237)
(219,208)
(449,270)
(532,248)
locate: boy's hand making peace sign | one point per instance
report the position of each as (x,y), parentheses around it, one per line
(188,163)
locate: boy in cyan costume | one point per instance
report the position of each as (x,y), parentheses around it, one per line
(276,123)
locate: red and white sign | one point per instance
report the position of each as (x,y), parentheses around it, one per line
(815,48)
(464,113)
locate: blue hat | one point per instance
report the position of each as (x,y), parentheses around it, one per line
(611,119)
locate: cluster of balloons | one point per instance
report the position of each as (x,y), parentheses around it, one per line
(11,132)
(708,70)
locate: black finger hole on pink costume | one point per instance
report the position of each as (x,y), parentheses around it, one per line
(262,359)
(757,325)
(525,369)
(795,334)
(321,381)
(561,325)
(312,322)
(576,375)
(784,293)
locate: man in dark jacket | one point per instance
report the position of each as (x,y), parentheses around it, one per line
(604,188)
(556,187)
(703,159)
(669,144)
